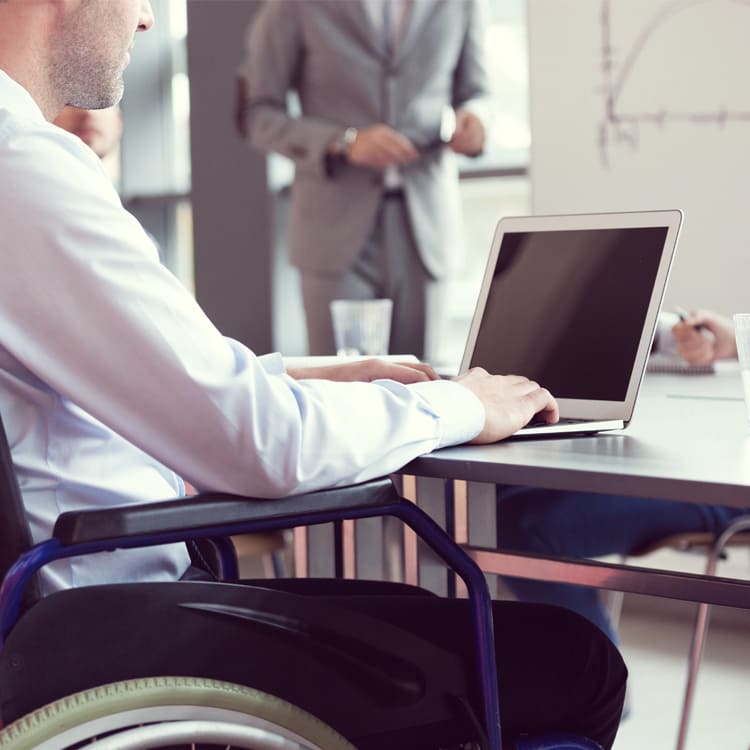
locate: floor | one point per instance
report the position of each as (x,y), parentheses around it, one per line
(655,641)
(655,648)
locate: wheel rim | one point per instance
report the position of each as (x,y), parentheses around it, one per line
(93,715)
(188,732)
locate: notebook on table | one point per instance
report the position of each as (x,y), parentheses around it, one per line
(673,364)
(572,302)
(665,356)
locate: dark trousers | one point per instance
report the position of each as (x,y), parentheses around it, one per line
(581,525)
(556,671)
(387,266)
(387,665)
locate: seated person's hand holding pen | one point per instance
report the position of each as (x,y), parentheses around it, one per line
(697,348)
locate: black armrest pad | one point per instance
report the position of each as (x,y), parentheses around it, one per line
(211,509)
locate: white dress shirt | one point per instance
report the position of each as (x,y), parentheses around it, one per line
(114,383)
(664,341)
(397,19)
(398,16)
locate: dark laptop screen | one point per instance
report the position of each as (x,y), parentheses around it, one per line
(566,308)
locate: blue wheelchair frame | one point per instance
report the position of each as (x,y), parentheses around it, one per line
(217,516)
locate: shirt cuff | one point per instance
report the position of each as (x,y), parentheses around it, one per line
(459,411)
(664,341)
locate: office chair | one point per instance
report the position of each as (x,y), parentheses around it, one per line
(714,547)
(88,667)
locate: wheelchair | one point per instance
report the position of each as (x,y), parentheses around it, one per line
(195,664)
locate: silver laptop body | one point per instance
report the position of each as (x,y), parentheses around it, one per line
(572,302)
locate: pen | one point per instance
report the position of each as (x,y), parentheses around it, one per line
(683,315)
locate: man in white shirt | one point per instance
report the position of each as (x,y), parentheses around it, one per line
(114,384)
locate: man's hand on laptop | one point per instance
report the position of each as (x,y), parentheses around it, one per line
(510,402)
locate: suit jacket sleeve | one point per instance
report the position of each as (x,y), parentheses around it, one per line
(273,59)
(471,87)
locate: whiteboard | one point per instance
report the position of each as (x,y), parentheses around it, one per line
(645,104)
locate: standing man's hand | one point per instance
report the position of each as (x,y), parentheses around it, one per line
(468,138)
(510,402)
(380,146)
(696,347)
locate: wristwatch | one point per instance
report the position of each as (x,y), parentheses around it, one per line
(343,140)
(336,153)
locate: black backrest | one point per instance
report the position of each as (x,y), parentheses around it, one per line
(15,535)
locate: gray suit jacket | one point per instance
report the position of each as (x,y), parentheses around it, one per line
(330,53)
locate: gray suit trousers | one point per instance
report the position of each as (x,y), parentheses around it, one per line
(388,266)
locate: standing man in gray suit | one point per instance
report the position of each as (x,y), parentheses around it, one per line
(390,91)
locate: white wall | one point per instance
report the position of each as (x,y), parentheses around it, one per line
(645,104)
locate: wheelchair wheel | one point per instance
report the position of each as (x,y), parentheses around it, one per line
(171,712)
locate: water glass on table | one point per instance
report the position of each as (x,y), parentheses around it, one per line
(361,327)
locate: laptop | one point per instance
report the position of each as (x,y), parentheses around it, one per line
(572,303)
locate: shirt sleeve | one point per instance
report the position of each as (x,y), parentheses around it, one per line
(272,363)
(89,310)
(459,412)
(664,341)
(273,59)
(471,82)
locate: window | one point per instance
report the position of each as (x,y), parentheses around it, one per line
(155,173)
(509,140)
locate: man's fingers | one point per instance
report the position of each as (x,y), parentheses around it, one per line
(397,143)
(379,146)
(405,373)
(423,367)
(517,379)
(697,355)
(544,404)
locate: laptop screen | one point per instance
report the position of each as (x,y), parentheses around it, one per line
(567,308)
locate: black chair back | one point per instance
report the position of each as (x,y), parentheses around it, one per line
(15,535)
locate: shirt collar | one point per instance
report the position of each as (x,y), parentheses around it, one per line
(15,99)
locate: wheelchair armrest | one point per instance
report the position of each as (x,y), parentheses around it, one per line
(209,510)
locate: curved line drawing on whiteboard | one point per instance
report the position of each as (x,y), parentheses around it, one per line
(671,73)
